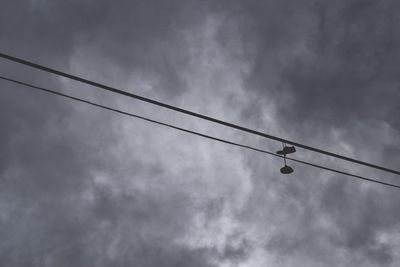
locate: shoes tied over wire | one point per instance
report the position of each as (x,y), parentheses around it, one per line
(286,150)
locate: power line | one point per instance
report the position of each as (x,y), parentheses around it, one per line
(196,133)
(191,113)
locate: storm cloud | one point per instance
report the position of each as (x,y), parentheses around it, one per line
(81,186)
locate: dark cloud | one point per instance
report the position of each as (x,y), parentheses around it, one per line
(331,62)
(83,187)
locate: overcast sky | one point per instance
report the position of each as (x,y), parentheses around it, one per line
(84,187)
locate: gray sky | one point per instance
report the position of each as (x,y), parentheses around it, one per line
(84,187)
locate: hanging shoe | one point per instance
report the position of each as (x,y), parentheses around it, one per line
(286,169)
(286,150)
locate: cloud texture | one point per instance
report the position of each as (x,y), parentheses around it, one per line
(84,187)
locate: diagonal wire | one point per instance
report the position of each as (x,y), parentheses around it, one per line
(191,113)
(196,133)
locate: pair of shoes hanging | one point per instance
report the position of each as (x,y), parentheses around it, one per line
(286,150)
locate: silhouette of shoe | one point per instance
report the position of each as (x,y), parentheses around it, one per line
(286,169)
(286,150)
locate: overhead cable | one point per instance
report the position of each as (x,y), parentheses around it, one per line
(191,113)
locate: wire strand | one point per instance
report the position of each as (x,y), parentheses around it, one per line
(196,133)
(191,113)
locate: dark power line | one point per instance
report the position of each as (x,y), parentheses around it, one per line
(191,113)
(196,133)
